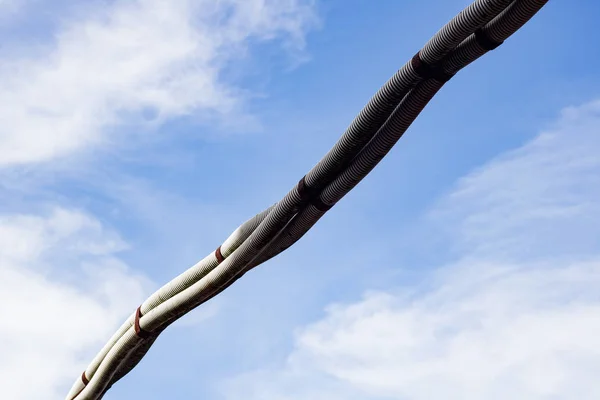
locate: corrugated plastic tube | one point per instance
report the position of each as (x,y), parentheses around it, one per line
(368,139)
(497,30)
(175,286)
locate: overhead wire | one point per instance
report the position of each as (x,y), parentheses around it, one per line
(479,28)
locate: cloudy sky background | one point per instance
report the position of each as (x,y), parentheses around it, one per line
(136,135)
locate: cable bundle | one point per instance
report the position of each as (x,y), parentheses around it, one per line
(479,28)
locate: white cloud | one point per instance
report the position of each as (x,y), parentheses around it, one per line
(541,199)
(62,293)
(516,316)
(143,60)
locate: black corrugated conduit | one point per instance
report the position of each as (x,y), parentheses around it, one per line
(481,41)
(479,28)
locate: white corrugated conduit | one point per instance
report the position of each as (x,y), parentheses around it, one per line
(479,28)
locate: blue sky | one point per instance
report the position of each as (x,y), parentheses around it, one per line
(136,135)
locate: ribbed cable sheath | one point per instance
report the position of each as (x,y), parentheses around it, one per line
(378,109)
(158,318)
(133,358)
(228,246)
(499,29)
(376,149)
(176,285)
(460,27)
(513,18)
(502,26)
(305,220)
(198,271)
(110,365)
(357,152)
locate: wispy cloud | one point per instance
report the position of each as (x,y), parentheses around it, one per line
(143,61)
(63,290)
(109,71)
(513,317)
(539,201)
